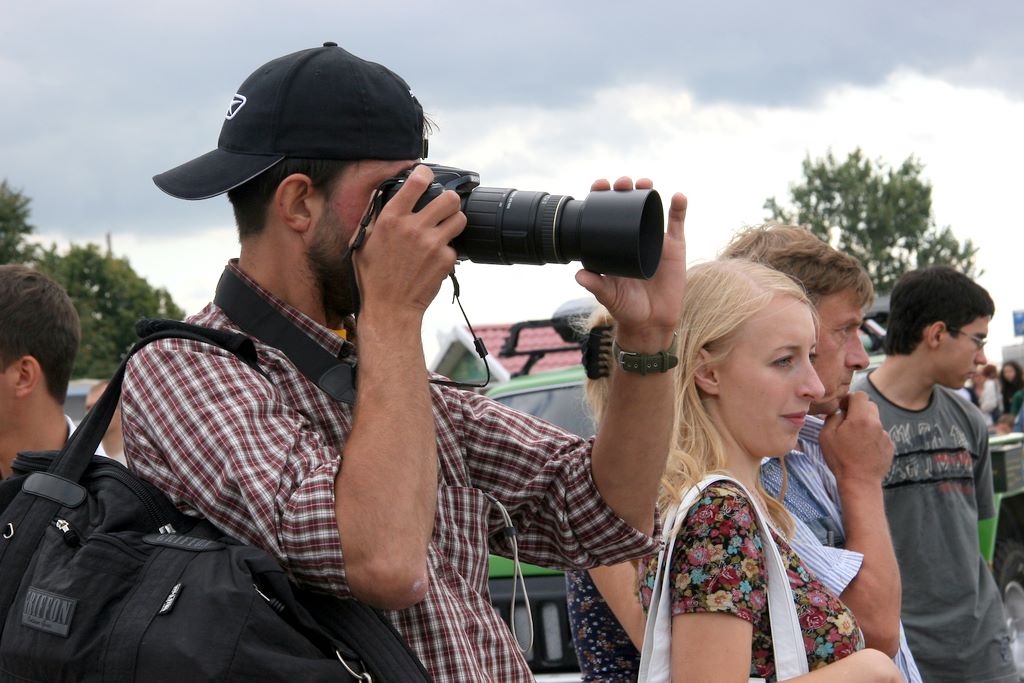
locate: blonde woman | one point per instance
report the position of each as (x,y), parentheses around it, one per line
(745,381)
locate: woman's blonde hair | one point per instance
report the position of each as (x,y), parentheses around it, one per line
(720,297)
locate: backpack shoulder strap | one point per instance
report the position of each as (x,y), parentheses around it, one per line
(239,344)
(369,634)
(75,456)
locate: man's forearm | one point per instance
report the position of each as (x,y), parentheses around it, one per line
(386,489)
(635,432)
(632,445)
(874,594)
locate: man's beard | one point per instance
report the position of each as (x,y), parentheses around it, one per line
(332,270)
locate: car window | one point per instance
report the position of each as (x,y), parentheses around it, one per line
(74,406)
(563,406)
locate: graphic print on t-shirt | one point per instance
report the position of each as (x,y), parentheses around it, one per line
(931,453)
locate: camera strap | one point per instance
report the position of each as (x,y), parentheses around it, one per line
(376,205)
(259,319)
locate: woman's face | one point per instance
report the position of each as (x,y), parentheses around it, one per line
(1009,373)
(767,382)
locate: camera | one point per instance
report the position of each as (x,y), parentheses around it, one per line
(614,233)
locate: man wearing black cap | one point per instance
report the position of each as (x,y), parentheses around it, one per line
(394,500)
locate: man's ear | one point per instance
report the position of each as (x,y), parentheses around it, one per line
(298,204)
(932,334)
(26,376)
(706,376)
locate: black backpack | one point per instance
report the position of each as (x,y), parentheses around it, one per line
(103,579)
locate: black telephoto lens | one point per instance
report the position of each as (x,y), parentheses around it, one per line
(615,232)
(618,232)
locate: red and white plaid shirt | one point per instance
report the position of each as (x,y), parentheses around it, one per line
(259,459)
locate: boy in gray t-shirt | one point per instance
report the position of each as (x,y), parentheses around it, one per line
(940,483)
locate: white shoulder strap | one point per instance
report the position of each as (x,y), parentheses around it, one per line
(787,639)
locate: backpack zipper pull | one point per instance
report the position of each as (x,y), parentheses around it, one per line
(71,536)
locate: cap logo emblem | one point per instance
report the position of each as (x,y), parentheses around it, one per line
(237,102)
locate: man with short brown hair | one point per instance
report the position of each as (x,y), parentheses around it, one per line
(39,337)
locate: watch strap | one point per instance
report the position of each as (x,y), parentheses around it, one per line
(646,363)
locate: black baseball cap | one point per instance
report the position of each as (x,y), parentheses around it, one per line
(321,103)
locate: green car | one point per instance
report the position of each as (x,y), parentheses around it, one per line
(557,397)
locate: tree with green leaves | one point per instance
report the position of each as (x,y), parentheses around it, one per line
(110,297)
(879,214)
(14,226)
(108,294)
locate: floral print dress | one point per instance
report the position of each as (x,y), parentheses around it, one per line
(717,566)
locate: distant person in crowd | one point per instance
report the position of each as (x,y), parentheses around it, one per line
(1004,425)
(986,386)
(113,440)
(398,499)
(940,483)
(39,336)
(967,391)
(840,529)
(745,383)
(1011,383)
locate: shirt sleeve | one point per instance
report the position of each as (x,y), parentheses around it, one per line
(983,487)
(835,567)
(989,399)
(717,563)
(542,476)
(217,438)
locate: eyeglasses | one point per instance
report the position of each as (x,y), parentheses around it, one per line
(978,340)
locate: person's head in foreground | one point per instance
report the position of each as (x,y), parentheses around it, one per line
(745,380)
(39,337)
(939,317)
(305,143)
(837,285)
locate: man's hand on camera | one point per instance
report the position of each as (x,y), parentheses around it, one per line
(647,312)
(407,255)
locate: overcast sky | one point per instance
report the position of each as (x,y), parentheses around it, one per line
(719,100)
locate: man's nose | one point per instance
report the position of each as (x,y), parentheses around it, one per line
(856,354)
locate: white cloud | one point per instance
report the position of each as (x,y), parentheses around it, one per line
(729,159)
(726,158)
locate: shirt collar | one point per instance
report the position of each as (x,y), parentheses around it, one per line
(324,336)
